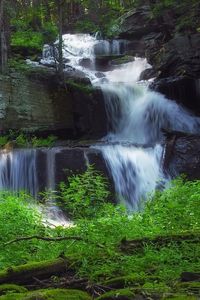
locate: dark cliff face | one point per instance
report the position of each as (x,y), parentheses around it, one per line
(175,56)
(36,101)
(182,155)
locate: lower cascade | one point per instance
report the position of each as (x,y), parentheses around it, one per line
(133,148)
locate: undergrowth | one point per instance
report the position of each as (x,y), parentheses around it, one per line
(21,139)
(98,256)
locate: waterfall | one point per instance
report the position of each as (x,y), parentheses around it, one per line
(133,150)
(133,147)
(53,214)
(18,170)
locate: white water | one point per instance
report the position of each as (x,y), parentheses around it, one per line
(136,116)
(53,214)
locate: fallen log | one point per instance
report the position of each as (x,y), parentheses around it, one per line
(130,246)
(43,238)
(26,273)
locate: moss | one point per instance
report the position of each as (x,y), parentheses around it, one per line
(26,270)
(123,281)
(122,60)
(180,297)
(18,65)
(5,288)
(155,288)
(49,294)
(122,294)
(83,87)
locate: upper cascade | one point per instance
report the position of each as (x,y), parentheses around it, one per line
(136,115)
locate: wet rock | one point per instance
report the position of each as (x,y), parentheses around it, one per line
(169,52)
(67,161)
(148,74)
(89,114)
(179,56)
(182,155)
(184,90)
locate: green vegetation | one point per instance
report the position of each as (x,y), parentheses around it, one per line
(5,288)
(20,139)
(48,294)
(85,195)
(185,11)
(107,233)
(85,88)
(31,31)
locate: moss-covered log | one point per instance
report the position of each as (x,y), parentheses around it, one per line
(26,273)
(159,241)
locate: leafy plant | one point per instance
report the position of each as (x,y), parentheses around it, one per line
(21,140)
(85,194)
(3,140)
(43,142)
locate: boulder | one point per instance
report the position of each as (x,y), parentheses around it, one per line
(182,155)
(179,56)
(182,89)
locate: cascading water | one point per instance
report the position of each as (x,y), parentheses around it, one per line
(18,170)
(54,215)
(137,117)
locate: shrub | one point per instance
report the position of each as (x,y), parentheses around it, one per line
(85,194)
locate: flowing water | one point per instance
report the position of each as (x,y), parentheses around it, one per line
(133,147)
(18,170)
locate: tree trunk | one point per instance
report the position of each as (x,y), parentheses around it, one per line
(3,40)
(60,44)
(132,246)
(27,273)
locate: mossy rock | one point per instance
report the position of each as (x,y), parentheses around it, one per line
(158,288)
(134,280)
(125,281)
(83,87)
(122,60)
(121,294)
(48,294)
(180,297)
(5,288)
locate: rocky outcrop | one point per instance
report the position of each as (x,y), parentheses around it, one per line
(182,155)
(32,104)
(179,56)
(138,23)
(184,90)
(36,101)
(175,56)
